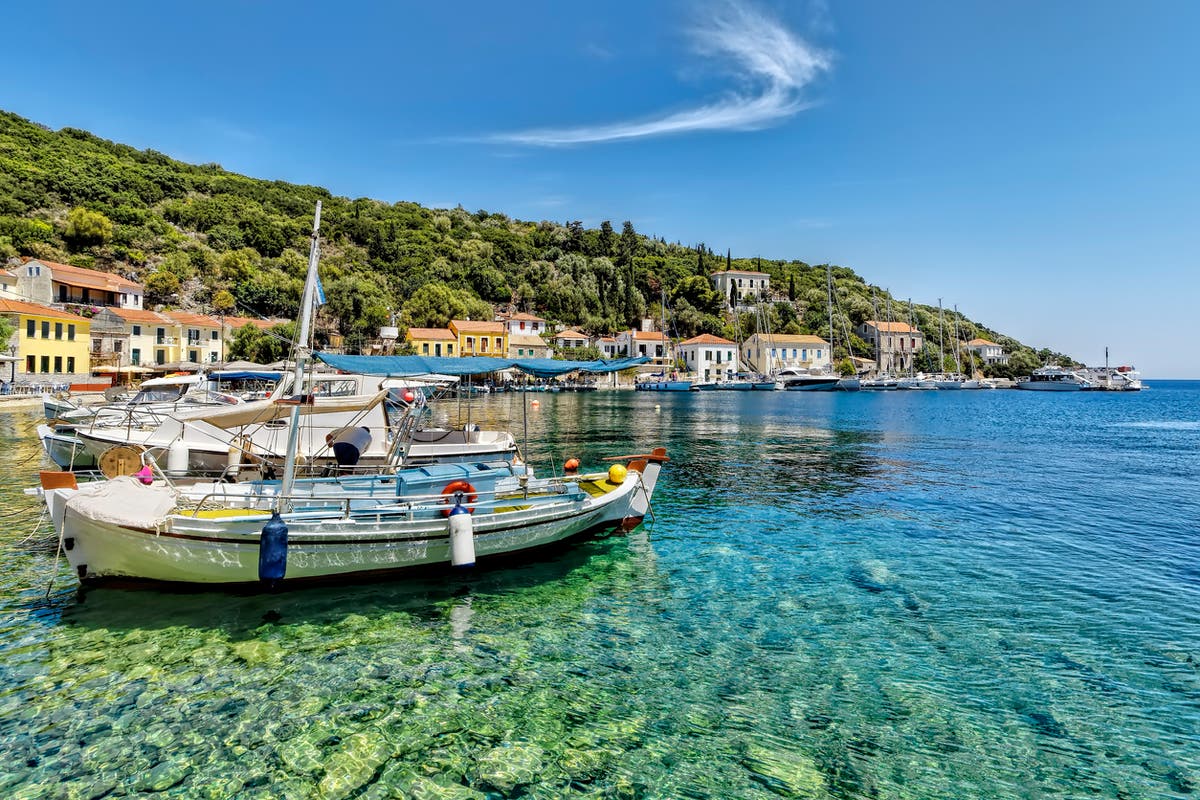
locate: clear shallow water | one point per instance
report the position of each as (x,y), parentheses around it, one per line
(926,595)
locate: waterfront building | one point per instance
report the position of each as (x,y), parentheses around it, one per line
(48,344)
(480,338)
(432,341)
(522,324)
(990,352)
(767,353)
(653,344)
(896,344)
(527,345)
(607,345)
(709,357)
(570,339)
(137,337)
(750,286)
(44,282)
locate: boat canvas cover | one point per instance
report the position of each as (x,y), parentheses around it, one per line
(258,412)
(404,366)
(124,501)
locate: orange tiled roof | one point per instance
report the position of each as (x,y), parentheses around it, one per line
(474,326)
(526,317)
(140,315)
(789,338)
(570,333)
(21,307)
(192,320)
(706,338)
(891,327)
(440,334)
(982,343)
(741,272)
(91,278)
(650,336)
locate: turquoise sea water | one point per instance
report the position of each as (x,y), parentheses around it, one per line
(926,595)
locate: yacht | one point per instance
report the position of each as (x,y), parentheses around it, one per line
(796,379)
(1053,378)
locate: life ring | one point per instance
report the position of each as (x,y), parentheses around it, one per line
(453,488)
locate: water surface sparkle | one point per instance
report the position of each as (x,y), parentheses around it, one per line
(926,595)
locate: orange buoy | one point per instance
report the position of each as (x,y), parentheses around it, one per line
(572,465)
(468,491)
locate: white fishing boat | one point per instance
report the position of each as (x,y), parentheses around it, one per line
(143,527)
(1053,378)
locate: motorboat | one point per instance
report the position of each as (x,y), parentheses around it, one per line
(880,383)
(1053,378)
(797,379)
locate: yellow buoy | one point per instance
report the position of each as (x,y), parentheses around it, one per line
(617,473)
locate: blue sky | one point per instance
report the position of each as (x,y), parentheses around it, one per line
(1034,163)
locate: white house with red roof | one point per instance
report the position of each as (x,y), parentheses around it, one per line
(989,351)
(709,357)
(643,343)
(570,339)
(42,281)
(524,324)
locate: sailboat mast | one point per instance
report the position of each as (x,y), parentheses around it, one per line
(302,355)
(941,345)
(957,360)
(829,297)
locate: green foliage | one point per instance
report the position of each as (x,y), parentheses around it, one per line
(254,344)
(220,234)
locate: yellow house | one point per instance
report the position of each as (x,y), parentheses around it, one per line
(197,338)
(50,345)
(480,338)
(432,341)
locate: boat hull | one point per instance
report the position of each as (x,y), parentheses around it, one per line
(811,384)
(664,386)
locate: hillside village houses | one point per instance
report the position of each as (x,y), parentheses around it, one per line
(480,338)
(46,282)
(522,323)
(750,286)
(765,353)
(527,345)
(709,357)
(138,337)
(990,352)
(437,342)
(50,346)
(570,338)
(896,344)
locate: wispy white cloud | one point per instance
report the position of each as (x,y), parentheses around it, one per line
(773,67)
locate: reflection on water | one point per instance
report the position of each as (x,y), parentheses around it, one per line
(922,595)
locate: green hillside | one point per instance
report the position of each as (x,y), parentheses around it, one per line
(201,238)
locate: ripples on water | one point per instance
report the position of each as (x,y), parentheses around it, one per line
(977,594)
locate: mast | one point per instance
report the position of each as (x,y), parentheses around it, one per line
(891,338)
(829,296)
(878,334)
(941,344)
(957,361)
(302,355)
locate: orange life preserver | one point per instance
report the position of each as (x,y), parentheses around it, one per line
(453,488)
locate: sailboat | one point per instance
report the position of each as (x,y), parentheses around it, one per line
(145,528)
(670,381)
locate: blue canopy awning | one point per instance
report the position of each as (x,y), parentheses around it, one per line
(407,366)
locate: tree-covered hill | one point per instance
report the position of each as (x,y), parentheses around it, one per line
(201,238)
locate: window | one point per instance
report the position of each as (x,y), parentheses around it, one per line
(45,363)
(135,356)
(214,336)
(194,356)
(30,364)
(30,328)
(116,346)
(708,355)
(449,349)
(45,330)
(70,333)
(137,330)
(212,357)
(471,343)
(483,343)
(160,335)
(70,363)
(522,324)
(499,343)
(57,332)
(425,349)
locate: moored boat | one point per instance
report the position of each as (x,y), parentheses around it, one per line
(1053,378)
